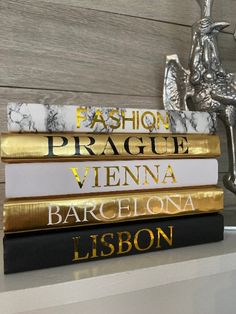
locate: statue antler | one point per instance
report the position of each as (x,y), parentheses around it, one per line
(206,7)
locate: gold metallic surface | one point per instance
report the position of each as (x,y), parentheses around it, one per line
(126,243)
(46,147)
(21,215)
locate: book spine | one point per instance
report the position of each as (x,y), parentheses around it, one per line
(23,117)
(41,250)
(64,178)
(46,147)
(54,213)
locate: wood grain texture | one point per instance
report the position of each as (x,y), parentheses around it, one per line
(173,11)
(48,45)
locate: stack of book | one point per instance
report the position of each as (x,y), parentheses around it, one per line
(88,183)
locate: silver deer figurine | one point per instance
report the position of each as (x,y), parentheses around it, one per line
(205,85)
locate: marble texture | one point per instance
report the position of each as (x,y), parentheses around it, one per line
(29,117)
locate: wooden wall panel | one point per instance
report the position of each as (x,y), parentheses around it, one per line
(174,11)
(64,47)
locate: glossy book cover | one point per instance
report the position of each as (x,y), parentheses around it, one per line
(30,214)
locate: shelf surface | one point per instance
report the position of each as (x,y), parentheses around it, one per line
(54,287)
(213,294)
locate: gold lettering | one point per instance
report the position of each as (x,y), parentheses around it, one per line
(107,244)
(166,123)
(76,250)
(124,119)
(79,116)
(110,176)
(77,177)
(169,174)
(161,233)
(112,114)
(136,242)
(144,119)
(96,177)
(94,245)
(148,171)
(98,118)
(133,176)
(137,123)
(122,241)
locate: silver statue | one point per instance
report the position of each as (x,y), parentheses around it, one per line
(205,85)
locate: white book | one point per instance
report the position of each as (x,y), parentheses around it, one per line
(28,117)
(63,178)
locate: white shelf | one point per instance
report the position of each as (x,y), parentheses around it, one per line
(56,287)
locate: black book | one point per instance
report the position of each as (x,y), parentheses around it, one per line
(23,252)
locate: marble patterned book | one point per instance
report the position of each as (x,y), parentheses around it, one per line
(70,178)
(29,117)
